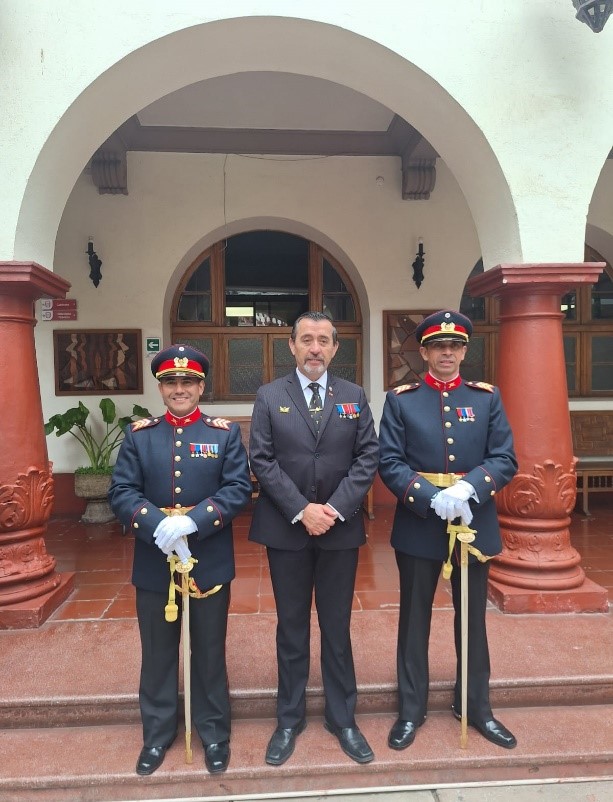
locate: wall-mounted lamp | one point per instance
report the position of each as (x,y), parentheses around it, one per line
(594,13)
(95,264)
(419,263)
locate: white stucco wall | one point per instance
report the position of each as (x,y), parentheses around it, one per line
(516,97)
(510,84)
(176,208)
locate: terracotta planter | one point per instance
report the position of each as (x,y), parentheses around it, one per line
(94,487)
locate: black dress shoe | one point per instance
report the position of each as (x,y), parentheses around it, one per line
(217,757)
(283,743)
(493,730)
(352,742)
(150,759)
(403,733)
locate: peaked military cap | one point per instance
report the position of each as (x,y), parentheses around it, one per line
(180,360)
(444,325)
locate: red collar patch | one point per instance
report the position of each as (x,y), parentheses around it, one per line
(175,420)
(442,386)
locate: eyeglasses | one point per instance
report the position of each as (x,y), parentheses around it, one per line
(446,345)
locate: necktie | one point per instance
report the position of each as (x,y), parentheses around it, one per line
(316,406)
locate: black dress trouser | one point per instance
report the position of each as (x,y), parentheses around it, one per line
(418,581)
(159,678)
(331,574)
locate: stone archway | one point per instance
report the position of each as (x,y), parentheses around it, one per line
(265,44)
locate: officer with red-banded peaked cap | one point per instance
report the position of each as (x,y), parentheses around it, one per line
(446,450)
(444,325)
(180,360)
(180,479)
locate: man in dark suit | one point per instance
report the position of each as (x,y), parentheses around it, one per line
(446,450)
(179,481)
(313,450)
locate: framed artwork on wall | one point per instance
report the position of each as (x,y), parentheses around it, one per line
(97,361)
(402,363)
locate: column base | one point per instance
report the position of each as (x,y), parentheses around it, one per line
(586,598)
(32,613)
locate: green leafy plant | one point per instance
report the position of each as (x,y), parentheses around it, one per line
(99,449)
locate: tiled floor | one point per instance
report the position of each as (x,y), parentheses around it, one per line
(101,557)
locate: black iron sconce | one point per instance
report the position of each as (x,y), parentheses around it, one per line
(594,13)
(95,264)
(419,263)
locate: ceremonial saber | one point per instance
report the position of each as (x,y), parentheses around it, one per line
(465,537)
(171,613)
(187,663)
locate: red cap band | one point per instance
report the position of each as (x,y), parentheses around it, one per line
(180,366)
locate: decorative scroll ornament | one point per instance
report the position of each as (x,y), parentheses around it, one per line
(28,502)
(25,559)
(547,493)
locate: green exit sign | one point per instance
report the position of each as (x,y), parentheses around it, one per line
(153,345)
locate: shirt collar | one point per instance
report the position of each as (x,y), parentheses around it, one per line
(322,381)
(441,386)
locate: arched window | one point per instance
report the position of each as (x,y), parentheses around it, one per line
(588,334)
(238,302)
(587,329)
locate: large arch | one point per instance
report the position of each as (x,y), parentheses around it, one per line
(266,44)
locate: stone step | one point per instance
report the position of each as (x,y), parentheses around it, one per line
(249,703)
(86,673)
(91,764)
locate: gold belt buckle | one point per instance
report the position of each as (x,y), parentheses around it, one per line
(175,510)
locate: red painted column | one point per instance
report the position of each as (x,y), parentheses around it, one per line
(30,588)
(538,571)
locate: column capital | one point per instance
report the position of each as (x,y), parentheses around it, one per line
(31,280)
(539,277)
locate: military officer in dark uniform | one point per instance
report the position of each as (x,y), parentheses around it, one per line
(446,449)
(179,481)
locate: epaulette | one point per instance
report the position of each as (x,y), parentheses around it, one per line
(218,423)
(143,423)
(404,387)
(481,386)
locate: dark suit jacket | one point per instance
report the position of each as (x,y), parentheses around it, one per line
(295,465)
(160,466)
(465,431)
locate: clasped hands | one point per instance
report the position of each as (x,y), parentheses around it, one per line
(318,518)
(452,502)
(170,533)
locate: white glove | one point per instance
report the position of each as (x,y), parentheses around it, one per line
(465,513)
(452,502)
(171,529)
(164,535)
(460,490)
(444,506)
(184,524)
(182,550)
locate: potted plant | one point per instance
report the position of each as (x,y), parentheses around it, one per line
(100,443)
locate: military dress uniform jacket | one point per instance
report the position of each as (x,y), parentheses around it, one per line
(294,464)
(203,465)
(462,430)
